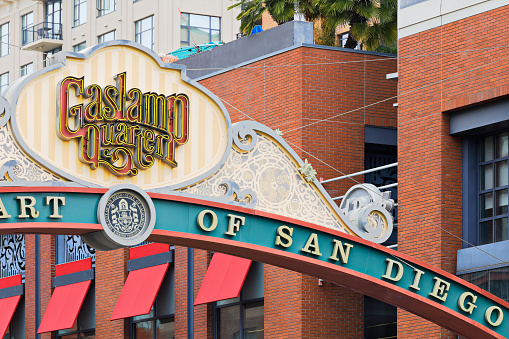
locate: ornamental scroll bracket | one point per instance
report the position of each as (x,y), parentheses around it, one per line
(367,209)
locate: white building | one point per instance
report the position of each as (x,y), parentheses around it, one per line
(30,30)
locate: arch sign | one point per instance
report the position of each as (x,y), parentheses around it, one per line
(116,146)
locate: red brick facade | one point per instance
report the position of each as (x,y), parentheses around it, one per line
(437,74)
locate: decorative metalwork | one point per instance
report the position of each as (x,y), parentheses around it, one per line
(15,165)
(77,249)
(308,171)
(261,175)
(12,255)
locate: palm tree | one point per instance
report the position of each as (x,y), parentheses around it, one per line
(372,23)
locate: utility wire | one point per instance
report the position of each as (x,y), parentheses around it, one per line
(381,195)
(396,96)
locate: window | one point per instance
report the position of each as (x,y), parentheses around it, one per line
(4,39)
(242,317)
(106,37)
(79,47)
(159,323)
(495,281)
(493,185)
(380,319)
(27,30)
(4,82)
(53,9)
(84,327)
(199,29)
(27,69)
(144,29)
(80,12)
(106,6)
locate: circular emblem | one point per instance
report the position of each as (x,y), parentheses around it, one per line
(127,215)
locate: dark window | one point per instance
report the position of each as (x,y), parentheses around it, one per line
(242,317)
(199,29)
(80,12)
(159,323)
(84,327)
(493,184)
(376,155)
(380,319)
(16,328)
(495,281)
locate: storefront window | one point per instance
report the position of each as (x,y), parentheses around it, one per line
(84,327)
(159,323)
(242,317)
(493,188)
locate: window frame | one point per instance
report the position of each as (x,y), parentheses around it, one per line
(492,190)
(102,12)
(104,34)
(188,27)
(3,87)
(5,39)
(25,27)
(25,67)
(138,33)
(79,47)
(79,5)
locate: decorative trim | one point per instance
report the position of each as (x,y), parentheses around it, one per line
(12,291)
(149,261)
(73,278)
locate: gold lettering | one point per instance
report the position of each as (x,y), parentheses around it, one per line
(388,271)
(344,253)
(55,201)
(234,224)
(417,279)
(3,211)
(313,243)
(24,206)
(487,315)
(287,236)
(470,305)
(440,288)
(213,223)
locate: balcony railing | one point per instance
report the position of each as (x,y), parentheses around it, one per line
(43,30)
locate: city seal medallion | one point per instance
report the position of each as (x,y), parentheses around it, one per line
(127,215)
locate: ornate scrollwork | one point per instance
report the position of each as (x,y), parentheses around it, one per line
(16,164)
(244,138)
(77,249)
(12,255)
(367,210)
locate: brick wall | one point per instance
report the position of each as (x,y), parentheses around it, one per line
(329,83)
(429,172)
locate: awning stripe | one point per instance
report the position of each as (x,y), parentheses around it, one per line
(224,278)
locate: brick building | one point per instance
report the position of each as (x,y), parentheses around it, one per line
(452,154)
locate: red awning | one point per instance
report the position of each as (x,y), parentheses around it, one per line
(66,301)
(143,284)
(8,305)
(224,278)
(139,292)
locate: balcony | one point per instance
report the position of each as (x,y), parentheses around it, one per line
(43,37)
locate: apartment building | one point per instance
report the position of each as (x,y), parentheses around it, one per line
(30,31)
